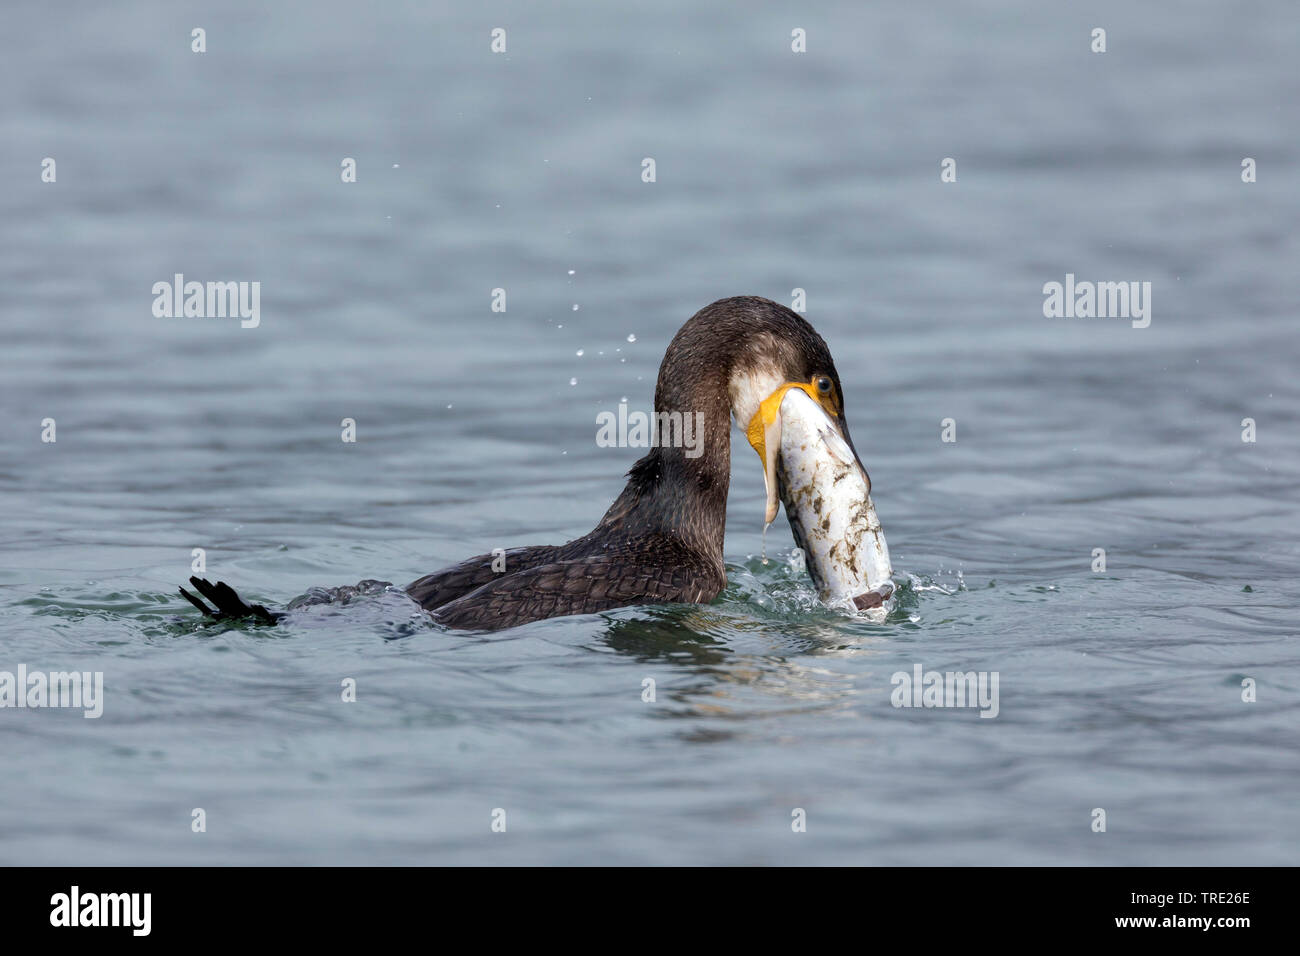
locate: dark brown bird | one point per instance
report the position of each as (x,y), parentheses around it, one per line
(661,541)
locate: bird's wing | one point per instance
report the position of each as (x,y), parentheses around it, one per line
(580,586)
(434,590)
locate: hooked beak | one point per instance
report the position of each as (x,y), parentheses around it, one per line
(764,434)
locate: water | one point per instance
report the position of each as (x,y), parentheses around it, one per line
(1119,690)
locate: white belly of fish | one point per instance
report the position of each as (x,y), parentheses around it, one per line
(828,504)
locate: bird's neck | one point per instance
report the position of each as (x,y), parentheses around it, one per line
(680,488)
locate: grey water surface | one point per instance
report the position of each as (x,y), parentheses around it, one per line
(1119,690)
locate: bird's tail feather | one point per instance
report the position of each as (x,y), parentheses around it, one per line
(227,604)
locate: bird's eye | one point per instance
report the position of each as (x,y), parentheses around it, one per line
(823,384)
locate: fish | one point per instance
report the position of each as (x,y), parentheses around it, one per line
(827,498)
